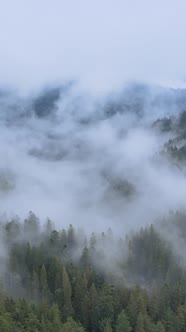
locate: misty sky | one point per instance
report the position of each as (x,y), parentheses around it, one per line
(102,44)
(87,158)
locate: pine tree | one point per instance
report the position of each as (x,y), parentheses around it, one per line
(67,294)
(133,306)
(55,318)
(159,327)
(154,307)
(105,305)
(85,259)
(140,323)
(35,287)
(72,326)
(94,301)
(107,326)
(43,283)
(122,323)
(71,241)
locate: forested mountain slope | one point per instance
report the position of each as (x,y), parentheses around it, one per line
(113,169)
(66,281)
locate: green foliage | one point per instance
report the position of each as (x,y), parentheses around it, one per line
(72,326)
(57,282)
(122,323)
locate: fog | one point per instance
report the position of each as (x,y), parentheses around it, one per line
(92,162)
(82,86)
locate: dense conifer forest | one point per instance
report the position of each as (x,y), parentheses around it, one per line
(64,280)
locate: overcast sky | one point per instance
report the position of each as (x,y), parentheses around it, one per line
(102,44)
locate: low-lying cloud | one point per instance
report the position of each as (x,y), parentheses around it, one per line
(92,162)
